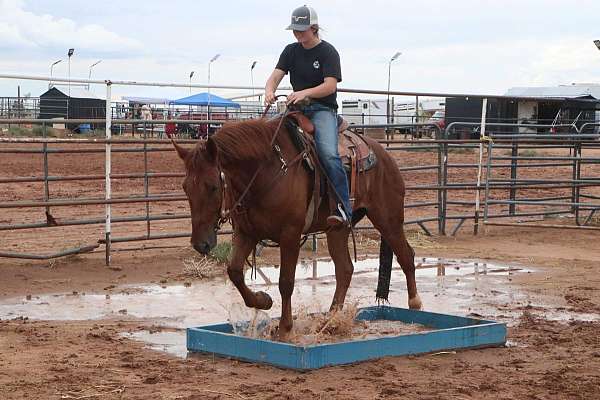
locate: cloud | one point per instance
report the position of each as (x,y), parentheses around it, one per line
(466,46)
(22,30)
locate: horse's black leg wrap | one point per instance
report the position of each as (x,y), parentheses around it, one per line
(386,257)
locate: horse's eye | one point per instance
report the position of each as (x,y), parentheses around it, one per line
(211,188)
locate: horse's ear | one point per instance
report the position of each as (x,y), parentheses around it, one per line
(211,150)
(182,152)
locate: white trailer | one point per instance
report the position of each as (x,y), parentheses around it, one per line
(364,111)
(404,113)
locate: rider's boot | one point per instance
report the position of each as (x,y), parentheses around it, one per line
(338,218)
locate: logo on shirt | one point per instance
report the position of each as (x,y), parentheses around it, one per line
(316,64)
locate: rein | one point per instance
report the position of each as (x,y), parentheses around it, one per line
(225,214)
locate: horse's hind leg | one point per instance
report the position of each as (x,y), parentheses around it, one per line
(337,243)
(242,246)
(392,230)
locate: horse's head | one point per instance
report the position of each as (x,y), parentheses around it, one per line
(203,187)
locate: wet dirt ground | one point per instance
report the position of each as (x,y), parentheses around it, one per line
(479,286)
(75,329)
(544,285)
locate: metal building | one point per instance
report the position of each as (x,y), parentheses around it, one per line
(81,104)
(563,105)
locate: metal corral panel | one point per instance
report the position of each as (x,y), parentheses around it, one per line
(451,333)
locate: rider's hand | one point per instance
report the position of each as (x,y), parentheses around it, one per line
(296,97)
(270,98)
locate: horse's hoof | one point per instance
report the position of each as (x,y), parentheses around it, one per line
(415,303)
(284,333)
(284,336)
(263,301)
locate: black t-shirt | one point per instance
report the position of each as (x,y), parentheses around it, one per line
(309,67)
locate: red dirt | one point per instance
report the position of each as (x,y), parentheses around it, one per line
(89,359)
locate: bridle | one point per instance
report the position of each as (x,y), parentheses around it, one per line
(223,216)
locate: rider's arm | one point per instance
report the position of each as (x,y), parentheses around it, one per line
(272,84)
(326,88)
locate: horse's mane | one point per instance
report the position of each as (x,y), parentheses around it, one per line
(237,141)
(246,140)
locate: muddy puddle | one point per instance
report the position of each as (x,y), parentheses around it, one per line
(461,287)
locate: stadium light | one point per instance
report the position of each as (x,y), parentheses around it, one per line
(210,62)
(90,73)
(51,70)
(252,78)
(69,54)
(208,107)
(191,75)
(394,57)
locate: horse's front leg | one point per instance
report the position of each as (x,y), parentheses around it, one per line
(242,247)
(337,243)
(289,248)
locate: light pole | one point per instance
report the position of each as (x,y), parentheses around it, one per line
(252,78)
(208,106)
(90,74)
(51,68)
(190,107)
(191,75)
(398,54)
(69,54)
(597,43)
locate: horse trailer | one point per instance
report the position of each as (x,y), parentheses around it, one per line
(365,111)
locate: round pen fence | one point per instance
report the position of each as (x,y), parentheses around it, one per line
(123,185)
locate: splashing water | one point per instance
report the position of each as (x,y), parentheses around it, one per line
(249,322)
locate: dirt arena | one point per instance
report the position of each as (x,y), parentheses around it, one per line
(45,358)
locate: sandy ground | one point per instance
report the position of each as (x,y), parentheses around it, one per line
(90,359)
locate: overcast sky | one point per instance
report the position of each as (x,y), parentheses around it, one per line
(447,46)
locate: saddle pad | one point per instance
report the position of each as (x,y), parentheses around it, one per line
(349,143)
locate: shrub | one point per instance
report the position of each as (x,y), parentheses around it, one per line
(222,252)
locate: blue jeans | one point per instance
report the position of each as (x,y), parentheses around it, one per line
(326,138)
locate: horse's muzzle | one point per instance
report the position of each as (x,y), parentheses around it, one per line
(202,248)
(206,245)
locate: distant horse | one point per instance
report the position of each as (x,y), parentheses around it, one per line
(237,173)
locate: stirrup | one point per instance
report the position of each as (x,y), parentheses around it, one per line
(336,220)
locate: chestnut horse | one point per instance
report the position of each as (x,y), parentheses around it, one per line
(240,161)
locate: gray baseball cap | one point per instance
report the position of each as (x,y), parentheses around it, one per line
(303,18)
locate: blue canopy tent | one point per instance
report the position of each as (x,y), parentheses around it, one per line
(210,101)
(205,99)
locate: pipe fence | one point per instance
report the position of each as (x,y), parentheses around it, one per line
(433,199)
